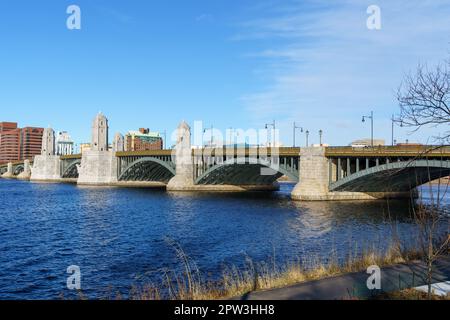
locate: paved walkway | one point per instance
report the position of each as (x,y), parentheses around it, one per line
(353,285)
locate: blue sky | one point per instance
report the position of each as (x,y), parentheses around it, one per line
(237,64)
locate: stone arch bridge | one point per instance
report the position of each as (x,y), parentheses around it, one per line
(320,173)
(253,168)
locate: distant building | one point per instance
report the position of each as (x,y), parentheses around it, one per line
(31,142)
(143,139)
(17,144)
(9,142)
(64,144)
(402,144)
(85,147)
(320,145)
(367,143)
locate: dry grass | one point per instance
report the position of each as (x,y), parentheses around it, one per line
(409,294)
(190,285)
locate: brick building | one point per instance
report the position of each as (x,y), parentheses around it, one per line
(18,144)
(143,140)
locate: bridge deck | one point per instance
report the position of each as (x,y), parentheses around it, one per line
(389,151)
(71,156)
(282,151)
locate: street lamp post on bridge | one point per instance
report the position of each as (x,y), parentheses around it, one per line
(371,126)
(392,129)
(307,138)
(211,131)
(295,128)
(267,128)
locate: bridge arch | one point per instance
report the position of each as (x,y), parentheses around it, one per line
(148,169)
(71,171)
(395,176)
(235,173)
(18,169)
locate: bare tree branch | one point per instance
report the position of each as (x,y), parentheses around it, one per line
(424,99)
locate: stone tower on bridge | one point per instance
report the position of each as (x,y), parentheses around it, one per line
(48,142)
(100,133)
(118,143)
(184,178)
(47,166)
(98,165)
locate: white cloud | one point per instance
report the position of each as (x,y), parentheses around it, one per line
(323,66)
(204,17)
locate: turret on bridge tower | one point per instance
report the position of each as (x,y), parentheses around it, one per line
(100,133)
(184,178)
(118,143)
(48,142)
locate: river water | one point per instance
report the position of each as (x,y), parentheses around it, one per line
(124,237)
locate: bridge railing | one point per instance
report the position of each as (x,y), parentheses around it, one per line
(389,151)
(14,163)
(216,151)
(144,153)
(71,156)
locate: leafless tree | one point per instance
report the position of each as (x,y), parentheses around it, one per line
(424,99)
(430,218)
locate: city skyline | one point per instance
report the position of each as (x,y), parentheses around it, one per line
(148,66)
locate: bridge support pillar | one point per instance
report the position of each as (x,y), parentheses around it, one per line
(9,172)
(97,168)
(46,168)
(184,177)
(47,165)
(26,173)
(314,175)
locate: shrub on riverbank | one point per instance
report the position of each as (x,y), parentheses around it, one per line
(191,285)
(409,294)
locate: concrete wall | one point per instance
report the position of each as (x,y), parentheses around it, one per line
(26,173)
(46,168)
(9,172)
(97,168)
(184,178)
(314,177)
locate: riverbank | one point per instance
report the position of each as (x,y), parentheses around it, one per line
(396,282)
(262,281)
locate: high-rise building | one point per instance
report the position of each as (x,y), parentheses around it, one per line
(9,142)
(143,139)
(7,126)
(30,142)
(19,144)
(64,144)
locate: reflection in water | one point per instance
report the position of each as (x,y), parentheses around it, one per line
(119,236)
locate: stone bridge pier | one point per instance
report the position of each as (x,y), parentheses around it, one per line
(313,175)
(26,173)
(47,165)
(316,175)
(9,172)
